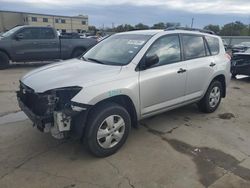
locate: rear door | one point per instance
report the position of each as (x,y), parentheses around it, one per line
(49,44)
(201,65)
(36,44)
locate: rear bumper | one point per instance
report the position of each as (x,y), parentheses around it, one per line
(39,121)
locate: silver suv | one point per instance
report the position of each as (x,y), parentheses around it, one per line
(123,79)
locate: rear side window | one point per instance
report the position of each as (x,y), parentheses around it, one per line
(193,47)
(213,44)
(46,33)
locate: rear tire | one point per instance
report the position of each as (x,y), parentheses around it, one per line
(107,129)
(77,53)
(210,102)
(4,60)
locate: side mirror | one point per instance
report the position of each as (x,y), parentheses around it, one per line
(19,36)
(151,60)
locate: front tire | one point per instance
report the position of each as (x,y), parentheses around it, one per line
(107,129)
(4,60)
(212,98)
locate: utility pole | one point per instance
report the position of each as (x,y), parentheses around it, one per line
(249,26)
(192,24)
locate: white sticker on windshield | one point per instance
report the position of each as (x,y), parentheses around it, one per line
(136,42)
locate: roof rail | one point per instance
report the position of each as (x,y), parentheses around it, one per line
(190,29)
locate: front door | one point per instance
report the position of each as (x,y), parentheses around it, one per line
(36,44)
(162,86)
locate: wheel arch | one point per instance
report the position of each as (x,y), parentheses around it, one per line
(126,102)
(5,51)
(221,78)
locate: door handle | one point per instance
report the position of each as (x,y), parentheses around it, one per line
(181,70)
(212,64)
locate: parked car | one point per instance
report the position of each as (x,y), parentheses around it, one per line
(241,63)
(242,47)
(123,79)
(29,43)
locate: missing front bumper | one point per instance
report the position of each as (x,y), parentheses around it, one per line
(39,121)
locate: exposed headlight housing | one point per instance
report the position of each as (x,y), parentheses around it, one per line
(64,95)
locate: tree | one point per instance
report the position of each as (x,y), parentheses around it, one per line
(128,27)
(172,24)
(122,28)
(141,26)
(92,29)
(234,29)
(119,28)
(159,25)
(214,28)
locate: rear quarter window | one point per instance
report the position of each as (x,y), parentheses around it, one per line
(213,44)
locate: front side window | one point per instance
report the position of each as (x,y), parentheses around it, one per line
(46,33)
(167,49)
(30,33)
(213,44)
(193,46)
(117,50)
(63,21)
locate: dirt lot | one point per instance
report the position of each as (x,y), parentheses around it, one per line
(181,148)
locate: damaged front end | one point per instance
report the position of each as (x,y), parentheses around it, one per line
(51,111)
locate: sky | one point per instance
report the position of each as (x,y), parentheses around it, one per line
(106,12)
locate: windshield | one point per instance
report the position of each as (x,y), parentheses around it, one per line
(10,32)
(117,49)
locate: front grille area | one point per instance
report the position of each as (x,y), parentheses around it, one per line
(39,104)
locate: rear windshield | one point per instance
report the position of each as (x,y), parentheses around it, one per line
(213,44)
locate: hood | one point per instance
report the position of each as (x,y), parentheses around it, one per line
(74,72)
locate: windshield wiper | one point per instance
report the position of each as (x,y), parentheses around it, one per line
(95,60)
